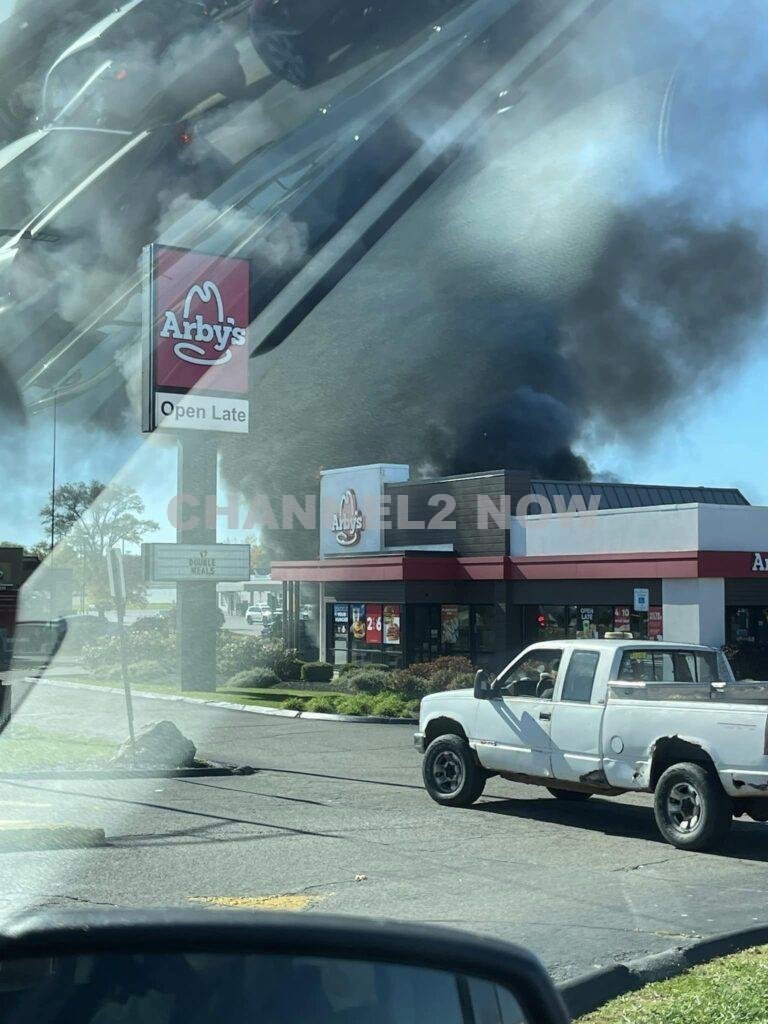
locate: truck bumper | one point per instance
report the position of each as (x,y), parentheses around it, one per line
(419,742)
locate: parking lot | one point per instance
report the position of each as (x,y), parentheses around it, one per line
(335,818)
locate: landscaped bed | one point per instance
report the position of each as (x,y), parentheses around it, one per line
(731,990)
(263,672)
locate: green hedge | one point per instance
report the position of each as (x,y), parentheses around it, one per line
(316,672)
(385,705)
(258,678)
(366,680)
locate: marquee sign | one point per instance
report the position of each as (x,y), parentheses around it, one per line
(196,360)
(179,563)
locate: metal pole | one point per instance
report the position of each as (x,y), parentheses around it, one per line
(53,471)
(126,681)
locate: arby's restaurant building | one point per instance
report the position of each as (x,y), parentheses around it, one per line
(482,564)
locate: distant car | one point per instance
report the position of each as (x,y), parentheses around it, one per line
(146,62)
(253,614)
(76,207)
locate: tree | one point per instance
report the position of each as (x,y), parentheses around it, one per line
(90,518)
(261,557)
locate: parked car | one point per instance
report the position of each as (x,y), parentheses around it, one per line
(76,206)
(295,37)
(146,62)
(253,614)
(609,716)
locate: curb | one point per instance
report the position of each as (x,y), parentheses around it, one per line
(591,991)
(26,835)
(65,774)
(254,709)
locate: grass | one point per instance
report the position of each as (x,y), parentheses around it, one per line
(272,697)
(24,747)
(731,990)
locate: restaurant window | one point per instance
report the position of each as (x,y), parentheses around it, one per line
(484,629)
(366,634)
(454,628)
(739,625)
(550,621)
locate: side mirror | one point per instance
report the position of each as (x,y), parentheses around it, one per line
(185,967)
(483,685)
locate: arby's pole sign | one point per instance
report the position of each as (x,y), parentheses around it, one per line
(196,355)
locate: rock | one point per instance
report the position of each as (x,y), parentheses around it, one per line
(159,745)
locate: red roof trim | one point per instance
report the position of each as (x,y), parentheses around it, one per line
(614,565)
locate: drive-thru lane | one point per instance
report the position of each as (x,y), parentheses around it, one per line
(583,884)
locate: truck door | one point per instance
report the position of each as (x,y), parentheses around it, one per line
(513,730)
(576,725)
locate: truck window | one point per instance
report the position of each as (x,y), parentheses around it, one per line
(669,666)
(580,676)
(534,675)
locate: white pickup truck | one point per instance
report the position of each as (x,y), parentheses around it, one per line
(609,716)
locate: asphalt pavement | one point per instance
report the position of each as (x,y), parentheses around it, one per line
(336,818)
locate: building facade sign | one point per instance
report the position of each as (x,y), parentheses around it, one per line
(353,508)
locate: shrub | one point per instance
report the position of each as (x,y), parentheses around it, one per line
(366,680)
(288,667)
(325,704)
(405,684)
(145,645)
(235,653)
(259,678)
(293,703)
(454,663)
(349,667)
(413,707)
(158,623)
(451,672)
(317,672)
(389,705)
(354,704)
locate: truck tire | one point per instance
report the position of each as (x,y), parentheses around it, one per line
(572,795)
(452,776)
(692,810)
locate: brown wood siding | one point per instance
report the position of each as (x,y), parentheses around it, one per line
(467,538)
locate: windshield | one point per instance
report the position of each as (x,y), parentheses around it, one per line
(348,349)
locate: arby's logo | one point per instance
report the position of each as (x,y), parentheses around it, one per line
(198,340)
(201,321)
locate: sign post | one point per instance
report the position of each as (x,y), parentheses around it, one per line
(195,386)
(116,572)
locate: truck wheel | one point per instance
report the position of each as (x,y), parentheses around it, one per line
(693,811)
(452,776)
(572,795)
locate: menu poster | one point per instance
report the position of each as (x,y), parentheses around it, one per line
(449,622)
(621,620)
(655,622)
(391,623)
(357,626)
(373,623)
(341,620)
